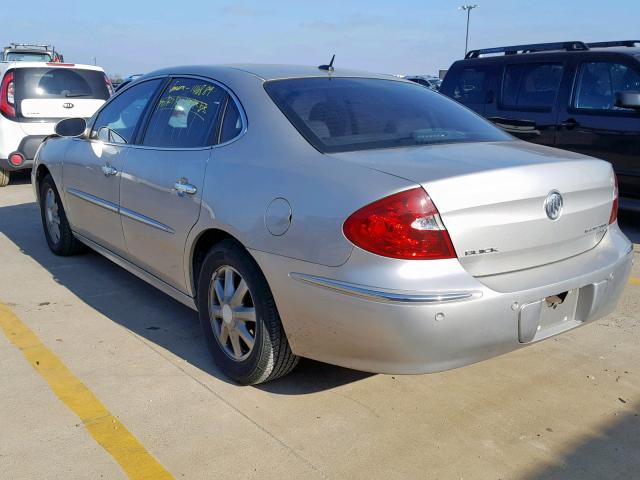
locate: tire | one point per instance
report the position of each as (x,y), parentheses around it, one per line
(4,177)
(270,356)
(64,243)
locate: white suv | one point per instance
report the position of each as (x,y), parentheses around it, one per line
(34,96)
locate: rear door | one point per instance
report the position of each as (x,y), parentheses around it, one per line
(93,167)
(591,123)
(527,104)
(53,92)
(163,176)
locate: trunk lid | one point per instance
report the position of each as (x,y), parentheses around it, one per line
(53,108)
(491,197)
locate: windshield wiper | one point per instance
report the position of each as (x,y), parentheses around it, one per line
(71,95)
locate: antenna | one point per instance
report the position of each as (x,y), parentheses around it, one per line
(328,68)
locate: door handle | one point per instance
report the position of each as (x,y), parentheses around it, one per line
(108,170)
(570,124)
(182,187)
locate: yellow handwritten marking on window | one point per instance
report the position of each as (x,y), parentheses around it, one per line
(106,429)
(202,90)
(634,281)
(177,88)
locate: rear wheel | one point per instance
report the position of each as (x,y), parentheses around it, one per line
(4,177)
(239,317)
(57,230)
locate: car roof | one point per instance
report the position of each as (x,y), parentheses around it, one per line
(629,51)
(268,72)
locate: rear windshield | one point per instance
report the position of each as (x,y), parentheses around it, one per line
(42,83)
(27,57)
(347,114)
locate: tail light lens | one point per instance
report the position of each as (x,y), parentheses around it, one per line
(109,85)
(406,225)
(7,96)
(614,208)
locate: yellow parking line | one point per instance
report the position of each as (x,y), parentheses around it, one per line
(634,281)
(106,429)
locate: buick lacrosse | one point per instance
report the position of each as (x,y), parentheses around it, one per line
(355,219)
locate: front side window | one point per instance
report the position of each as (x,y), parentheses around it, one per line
(598,83)
(185,114)
(531,86)
(117,121)
(347,114)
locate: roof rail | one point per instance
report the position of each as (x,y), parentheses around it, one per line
(40,46)
(533,47)
(616,43)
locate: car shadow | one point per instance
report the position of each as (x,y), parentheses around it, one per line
(144,310)
(611,452)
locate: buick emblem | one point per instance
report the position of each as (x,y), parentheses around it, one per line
(553,205)
(67,105)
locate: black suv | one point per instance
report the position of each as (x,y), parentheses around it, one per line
(583,97)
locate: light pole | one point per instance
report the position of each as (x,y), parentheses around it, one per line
(467,8)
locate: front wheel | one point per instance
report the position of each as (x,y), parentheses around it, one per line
(239,317)
(57,230)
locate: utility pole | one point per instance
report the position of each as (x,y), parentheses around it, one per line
(467,8)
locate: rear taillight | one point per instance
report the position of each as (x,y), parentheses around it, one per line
(406,225)
(7,96)
(109,85)
(614,208)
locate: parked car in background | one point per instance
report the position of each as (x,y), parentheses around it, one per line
(583,97)
(127,81)
(430,82)
(300,218)
(31,52)
(34,96)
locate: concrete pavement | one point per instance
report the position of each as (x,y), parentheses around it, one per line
(562,409)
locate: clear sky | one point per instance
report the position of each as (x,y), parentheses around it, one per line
(402,36)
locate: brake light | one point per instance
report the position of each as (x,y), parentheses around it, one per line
(109,85)
(7,96)
(60,64)
(614,208)
(406,225)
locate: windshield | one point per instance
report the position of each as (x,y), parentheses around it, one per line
(27,57)
(42,83)
(347,114)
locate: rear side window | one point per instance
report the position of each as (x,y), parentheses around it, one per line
(185,114)
(598,83)
(467,85)
(60,82)
(117,121)
(531,86)
(347,114)
(232,123)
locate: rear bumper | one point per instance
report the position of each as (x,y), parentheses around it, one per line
(28,147)
(437,316)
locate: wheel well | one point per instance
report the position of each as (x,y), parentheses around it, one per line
(40,174)
(205,241)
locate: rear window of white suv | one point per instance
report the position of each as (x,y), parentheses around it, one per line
(59,82)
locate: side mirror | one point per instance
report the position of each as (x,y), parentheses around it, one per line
(71,127)
(628,100)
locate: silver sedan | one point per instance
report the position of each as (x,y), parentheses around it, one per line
(355,219)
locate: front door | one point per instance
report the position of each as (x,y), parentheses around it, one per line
(163,177)
(93,167)
(593,124)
